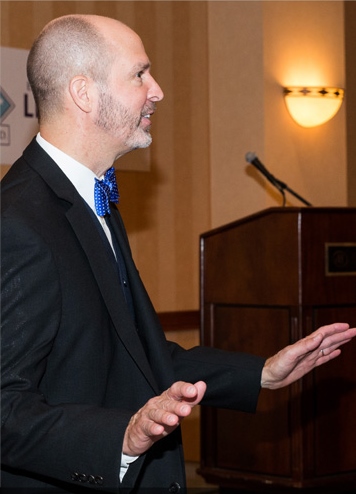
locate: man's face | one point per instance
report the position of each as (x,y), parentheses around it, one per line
(129,98)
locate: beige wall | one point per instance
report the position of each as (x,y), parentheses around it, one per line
(222,66)
(313,161)
(236,105)
(256,48)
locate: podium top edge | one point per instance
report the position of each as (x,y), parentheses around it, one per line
(303,211)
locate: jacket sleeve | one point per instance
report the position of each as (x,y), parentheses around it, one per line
(233,379)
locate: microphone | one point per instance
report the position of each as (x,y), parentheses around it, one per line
(281,186)
(252,158)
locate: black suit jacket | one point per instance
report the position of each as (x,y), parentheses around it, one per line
(75,365)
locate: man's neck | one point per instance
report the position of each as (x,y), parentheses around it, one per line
(85,150)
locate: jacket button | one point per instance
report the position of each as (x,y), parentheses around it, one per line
(99,480)
(82,477)
(174,488)
(75,476)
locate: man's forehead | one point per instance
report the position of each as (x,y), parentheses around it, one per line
(131,56)
(129,47)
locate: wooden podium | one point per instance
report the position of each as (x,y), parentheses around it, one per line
(266,281)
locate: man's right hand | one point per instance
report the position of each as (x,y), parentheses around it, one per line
(161,415)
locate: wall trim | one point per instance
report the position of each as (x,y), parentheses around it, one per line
(179,320)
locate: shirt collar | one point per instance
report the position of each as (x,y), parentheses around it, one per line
(81,176)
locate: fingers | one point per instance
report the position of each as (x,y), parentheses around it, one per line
(326,356)
(335,330)
(161,415)
(330,337)
(186,392)
(176,402)
(327,338)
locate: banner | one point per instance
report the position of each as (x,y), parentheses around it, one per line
(18,120)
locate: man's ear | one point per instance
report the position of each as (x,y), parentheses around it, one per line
(80,88)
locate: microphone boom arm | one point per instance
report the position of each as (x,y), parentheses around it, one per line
(291,191)
(281,186)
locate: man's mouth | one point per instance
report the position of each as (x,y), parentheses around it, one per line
(146,119)
(148,111)
(146,114)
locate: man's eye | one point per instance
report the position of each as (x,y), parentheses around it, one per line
(140,74)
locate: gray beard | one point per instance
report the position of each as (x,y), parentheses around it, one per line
(116,120)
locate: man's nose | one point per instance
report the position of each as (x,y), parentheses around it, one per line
(155,92)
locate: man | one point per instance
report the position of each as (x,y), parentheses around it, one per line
(93,394)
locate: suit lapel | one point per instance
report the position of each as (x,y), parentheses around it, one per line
(110,288)
(92,244)
(147,320)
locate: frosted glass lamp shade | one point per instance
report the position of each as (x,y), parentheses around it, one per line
(312,106)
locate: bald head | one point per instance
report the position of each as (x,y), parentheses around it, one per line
(69,46)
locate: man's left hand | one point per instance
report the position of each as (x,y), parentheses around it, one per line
(294,361)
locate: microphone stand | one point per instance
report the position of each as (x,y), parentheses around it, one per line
(281,186)
(285,187)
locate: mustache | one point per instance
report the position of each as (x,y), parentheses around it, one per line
(149,109)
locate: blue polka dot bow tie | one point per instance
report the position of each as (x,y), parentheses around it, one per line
(105,191)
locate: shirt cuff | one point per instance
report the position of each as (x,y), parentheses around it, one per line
(125,463)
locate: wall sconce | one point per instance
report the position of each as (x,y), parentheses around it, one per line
(312,106)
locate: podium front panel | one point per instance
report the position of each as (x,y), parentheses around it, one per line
(266,281)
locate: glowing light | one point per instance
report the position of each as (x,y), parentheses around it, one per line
(312,106)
